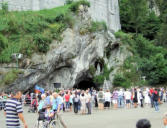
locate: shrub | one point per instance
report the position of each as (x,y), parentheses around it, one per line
(83,30)
(42,42)
(3,42)
(4,6)
(69,20)
(105,75)
(74,6)
(57,27)
(98,26)
(92,70)
(11,76)
(121,81)
(7,52)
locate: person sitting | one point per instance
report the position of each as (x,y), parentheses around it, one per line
(143,123)
(49,113)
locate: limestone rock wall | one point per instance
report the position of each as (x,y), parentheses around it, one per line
(108,11)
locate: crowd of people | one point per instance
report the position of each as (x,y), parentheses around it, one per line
(83,101)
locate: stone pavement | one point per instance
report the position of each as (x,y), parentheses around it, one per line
(120,118)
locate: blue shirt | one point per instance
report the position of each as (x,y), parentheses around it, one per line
(56,102)
(47,100)
(41,105)
(13,107)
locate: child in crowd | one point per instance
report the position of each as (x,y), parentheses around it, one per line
(49,113)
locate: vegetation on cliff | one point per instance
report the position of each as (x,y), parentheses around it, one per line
(32,31)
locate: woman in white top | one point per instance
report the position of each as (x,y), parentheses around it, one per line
(83,102)
(128,95)
(147,100)
(107,98)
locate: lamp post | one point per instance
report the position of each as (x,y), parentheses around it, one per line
(17,56)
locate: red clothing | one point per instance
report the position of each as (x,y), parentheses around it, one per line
(151,91)
(35,102)
(156,92)
(67,97)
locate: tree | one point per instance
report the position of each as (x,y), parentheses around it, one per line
(162,34)
(155,69)
(133,14)
(151,26)
(121,81)
(139,11)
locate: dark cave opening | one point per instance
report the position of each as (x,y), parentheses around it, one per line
(85,84)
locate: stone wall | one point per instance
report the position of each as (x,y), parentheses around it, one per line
(20,5)
(101,10)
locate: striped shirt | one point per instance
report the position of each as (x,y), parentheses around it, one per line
(12,108)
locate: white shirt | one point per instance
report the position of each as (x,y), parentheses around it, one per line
(127,95)
(107,96)
(120,93)
(88,97)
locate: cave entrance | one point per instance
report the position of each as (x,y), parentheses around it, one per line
(85,84)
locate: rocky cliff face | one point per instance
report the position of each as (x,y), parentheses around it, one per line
(108,11)
(68,62)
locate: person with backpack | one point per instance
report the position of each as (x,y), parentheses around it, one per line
(100,97)
(155,100)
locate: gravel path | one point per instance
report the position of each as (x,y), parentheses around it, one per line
(120,118)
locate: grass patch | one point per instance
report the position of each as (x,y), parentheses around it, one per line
(10,77)
(32,31)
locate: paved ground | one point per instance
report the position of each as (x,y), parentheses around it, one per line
(120,118)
